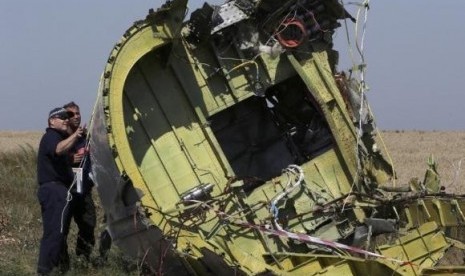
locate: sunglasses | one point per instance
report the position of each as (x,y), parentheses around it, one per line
(61,117)
(71,114)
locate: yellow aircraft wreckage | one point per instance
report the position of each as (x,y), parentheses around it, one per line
(230,144)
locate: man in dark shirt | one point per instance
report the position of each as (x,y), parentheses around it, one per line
(55,176)
(82,206)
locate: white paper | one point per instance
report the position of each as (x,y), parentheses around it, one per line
(78,177)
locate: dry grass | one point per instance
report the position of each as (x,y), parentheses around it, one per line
(15,140)
(410,150)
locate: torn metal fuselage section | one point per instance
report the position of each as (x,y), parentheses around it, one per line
(230,143)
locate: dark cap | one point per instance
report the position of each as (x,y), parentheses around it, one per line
(58,112)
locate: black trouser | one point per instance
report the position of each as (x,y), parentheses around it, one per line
(56,220)
(83,212)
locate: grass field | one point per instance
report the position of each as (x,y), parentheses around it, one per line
(20,224)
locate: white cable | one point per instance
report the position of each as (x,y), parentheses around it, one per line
(361,87)
(287,190)
(69,196)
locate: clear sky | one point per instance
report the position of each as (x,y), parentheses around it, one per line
(52,52)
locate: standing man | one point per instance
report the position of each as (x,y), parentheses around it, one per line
(82,207)
(55,176)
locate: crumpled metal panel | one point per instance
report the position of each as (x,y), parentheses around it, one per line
(229,13)
(422,247)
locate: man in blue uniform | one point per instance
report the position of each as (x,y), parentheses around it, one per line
(55,176)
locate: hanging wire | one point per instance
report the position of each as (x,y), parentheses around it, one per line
(360,49)
(359,71)
(362,86)
(361,76)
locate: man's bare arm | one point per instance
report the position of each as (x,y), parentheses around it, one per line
(66,144)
